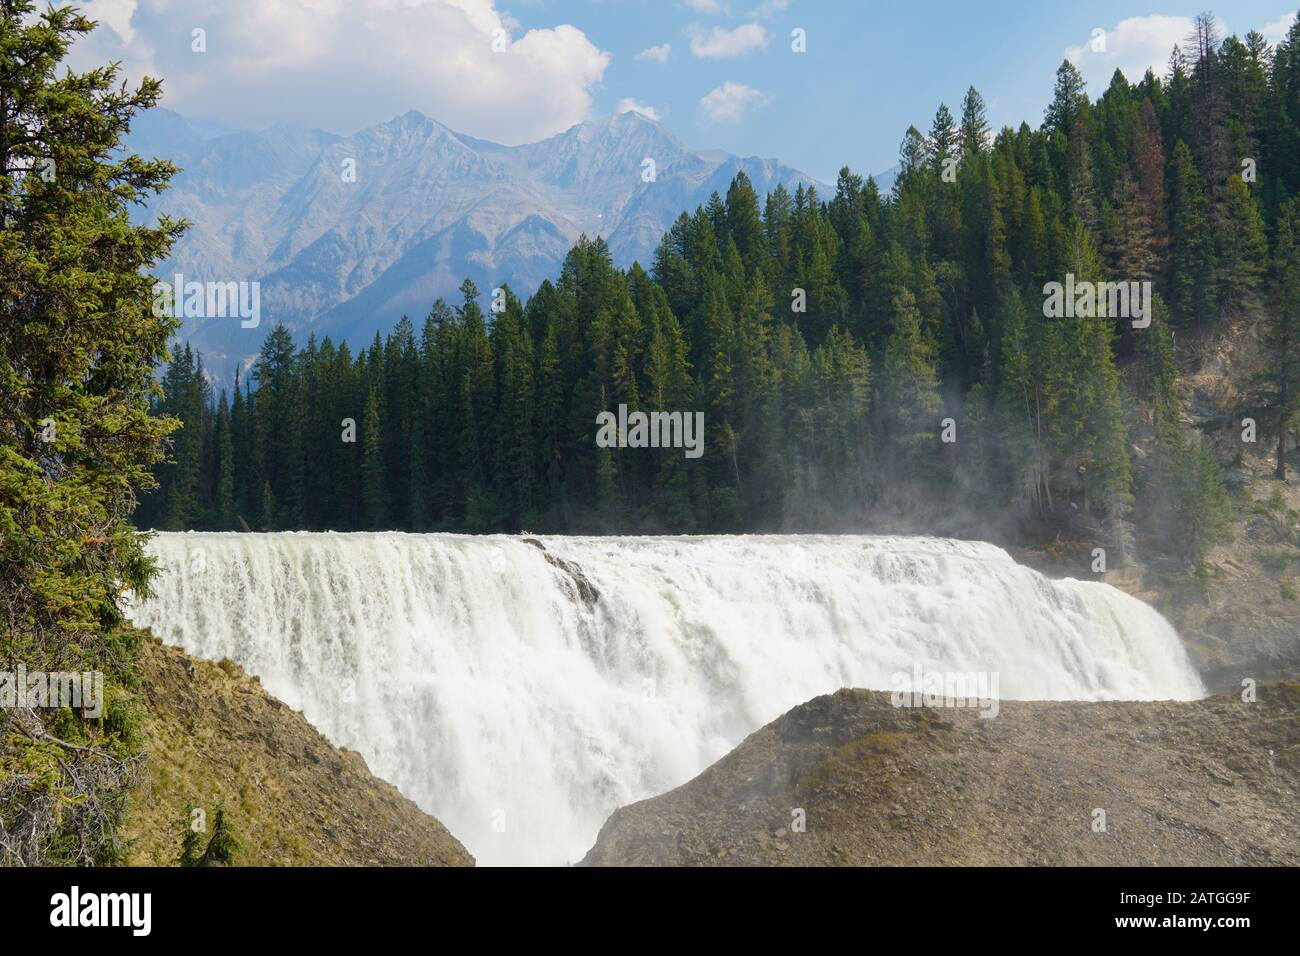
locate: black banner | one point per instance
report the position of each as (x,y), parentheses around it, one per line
(625,907)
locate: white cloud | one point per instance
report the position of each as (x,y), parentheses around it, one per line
(717,42)
(770,8)
(1141,42)
(728,102)
(1134,45)
(656,54)
(629,105)
(345,64)
(1276,31)
(114,14)
(705,6)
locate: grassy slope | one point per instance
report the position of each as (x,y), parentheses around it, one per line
(214,735)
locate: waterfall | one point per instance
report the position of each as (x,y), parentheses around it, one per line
(521,689)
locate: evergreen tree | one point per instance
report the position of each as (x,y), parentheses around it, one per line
(908,398)
(1187,505)
(974,124)
(1243,248)
(745,225)
(1282,378)
(1194,270)
(944,140)
(79,342)
(225,491)
(374,479)
(1068,99)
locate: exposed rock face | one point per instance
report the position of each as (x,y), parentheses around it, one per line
(583,589)
(1211,782)
(1245,623)
(214,735)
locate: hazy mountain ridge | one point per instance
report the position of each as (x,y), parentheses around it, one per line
(429,206)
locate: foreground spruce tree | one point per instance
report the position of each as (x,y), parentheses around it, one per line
(78,345)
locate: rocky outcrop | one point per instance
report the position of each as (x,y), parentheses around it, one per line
(580,585)
(849,779)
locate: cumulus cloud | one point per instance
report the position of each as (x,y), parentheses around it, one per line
(1133,46)
(1139,43)
(656,54)
(628,105)
(114,14)
(345,64)
(1276,31)
(729,102)
(705,6)
(717,42)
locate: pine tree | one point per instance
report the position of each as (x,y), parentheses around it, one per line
(1193,266)
(1083,191)
(744,224)
(1242,249)
(475,368)
(974,124)
(907,405)
(247,489)
(278,431)
(607,497)
(1019,407)
(1145,256)
(79,342)
(513,352)
(182,397)
(224,844)
(268,508)
(912,156)
(374,480)
(1187,505)
(191,839)
(1068,99)
(225,504)
(1282,378)
(944,140)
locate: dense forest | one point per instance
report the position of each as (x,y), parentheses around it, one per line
(861,359)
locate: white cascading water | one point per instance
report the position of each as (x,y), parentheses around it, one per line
(470,672)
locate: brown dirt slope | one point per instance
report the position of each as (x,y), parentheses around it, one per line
(213,734)
(1210,782)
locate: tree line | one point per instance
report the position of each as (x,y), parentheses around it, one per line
(861,359)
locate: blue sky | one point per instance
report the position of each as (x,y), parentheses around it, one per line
(718,73)
(870,69)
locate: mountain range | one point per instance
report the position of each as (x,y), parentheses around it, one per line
(347,255)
